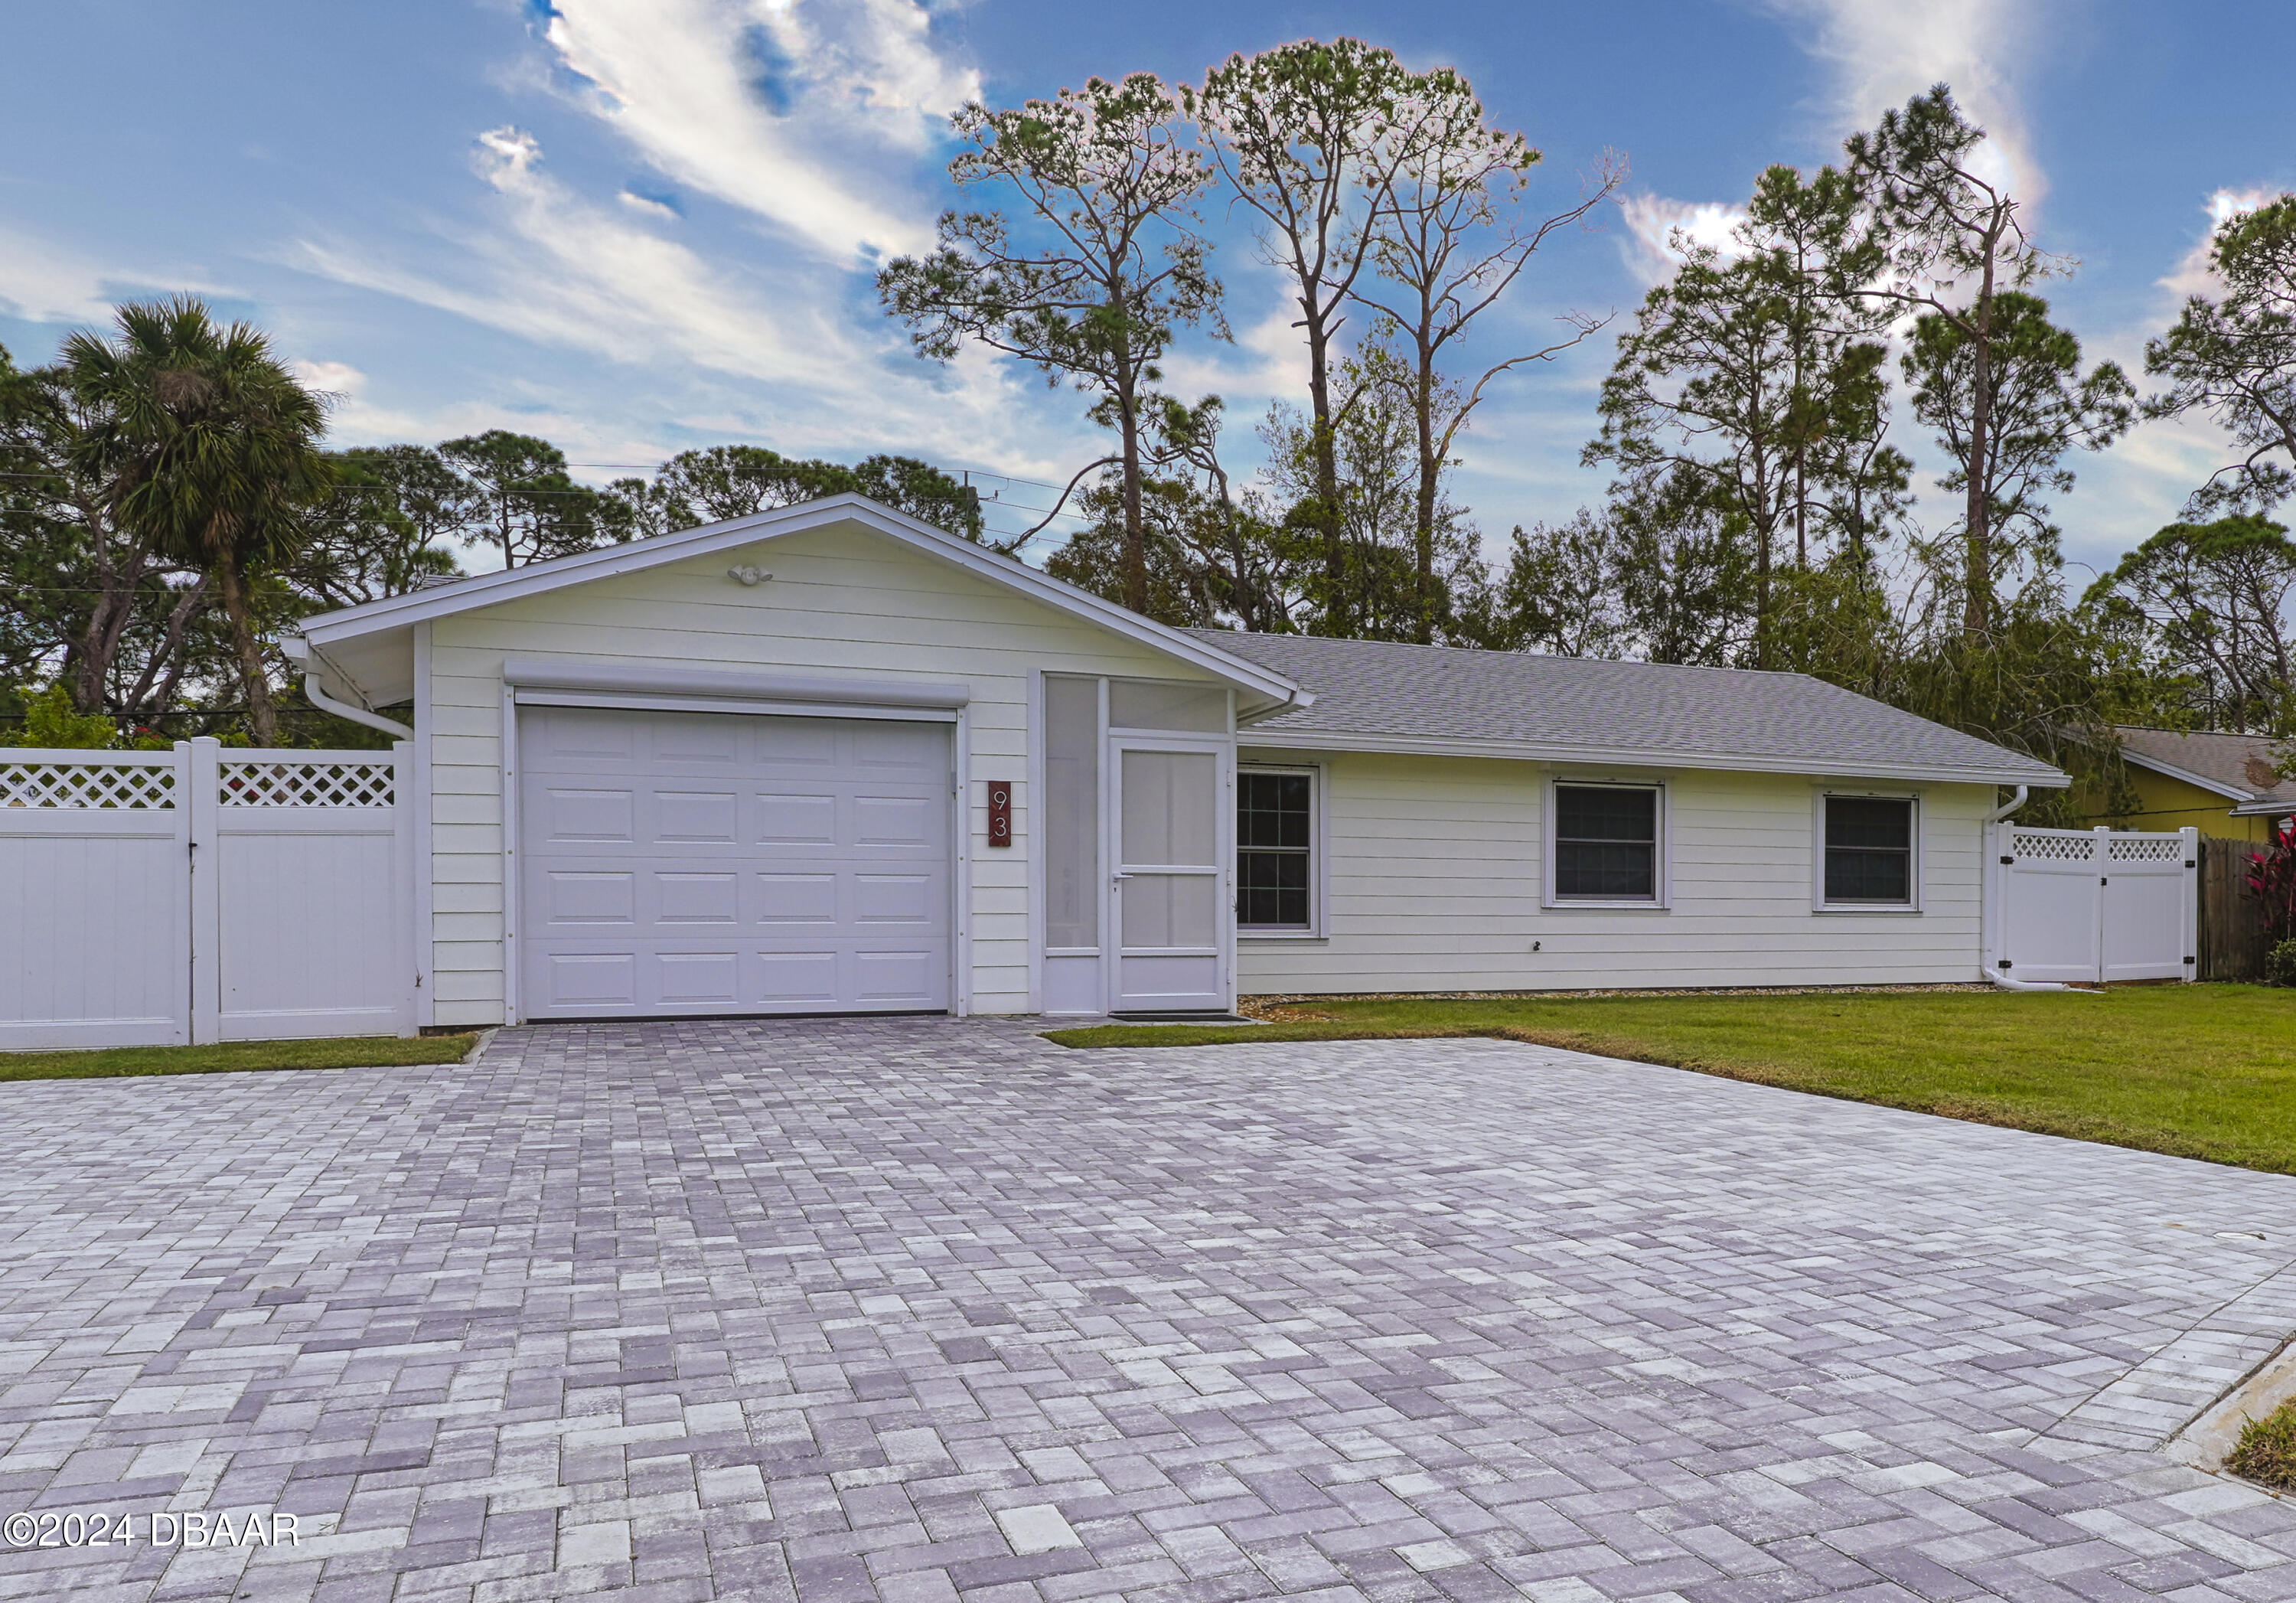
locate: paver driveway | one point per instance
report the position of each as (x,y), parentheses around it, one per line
(912,1309)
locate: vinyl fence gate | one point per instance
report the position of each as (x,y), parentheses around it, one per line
(204,894)
(2092,905)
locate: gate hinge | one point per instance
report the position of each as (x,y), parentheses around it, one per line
(2190,863)
(2008,862)
(2102,881)
(2003,964)
(2188,959)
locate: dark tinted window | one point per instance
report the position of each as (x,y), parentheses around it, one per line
(1273,819)
(1869,849)
(1606,842)
(1272,810)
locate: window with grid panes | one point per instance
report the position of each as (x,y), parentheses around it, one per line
(1869,851)
(1605,842)
(1274,848)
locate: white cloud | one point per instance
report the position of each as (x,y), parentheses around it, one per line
(785,108)
(340,380)
(647,206)
(1653,220)
(1885,52)
(715,355)
(46,283)
(2193,274)
(568,273)
(42,283)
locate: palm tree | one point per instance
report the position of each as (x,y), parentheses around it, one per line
(212,449)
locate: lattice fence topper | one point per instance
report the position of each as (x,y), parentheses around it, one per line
(301,782)
(2155,851)
(136,786)
(2054,848)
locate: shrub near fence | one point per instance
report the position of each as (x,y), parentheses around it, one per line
(2233,938)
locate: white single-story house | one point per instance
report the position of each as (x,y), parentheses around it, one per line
(830,759)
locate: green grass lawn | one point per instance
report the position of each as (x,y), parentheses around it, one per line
(368,1052)
(2199,1071)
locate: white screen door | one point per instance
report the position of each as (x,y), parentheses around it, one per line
(1172,916)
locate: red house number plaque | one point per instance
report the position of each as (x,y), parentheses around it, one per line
(1000,812)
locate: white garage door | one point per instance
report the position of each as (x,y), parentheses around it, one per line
(700,863)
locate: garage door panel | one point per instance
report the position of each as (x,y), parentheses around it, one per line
(694,742)
(799,744)
(589,897)
(895,820)
(878,747)
(697,979)
(683,818)
(894,979)
(909,900)
(789,821)
(798,980)
(570,815)
(579,742)
(729,863)
(590,982)
(689,899)
(790,900)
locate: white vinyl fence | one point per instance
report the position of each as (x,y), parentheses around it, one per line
(203,894)
(2092,905)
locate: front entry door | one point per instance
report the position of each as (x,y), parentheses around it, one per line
(1172,913)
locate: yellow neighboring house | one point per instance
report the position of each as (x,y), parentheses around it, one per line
(2222,784)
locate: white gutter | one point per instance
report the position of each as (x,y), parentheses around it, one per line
(1618,757)
(300,650)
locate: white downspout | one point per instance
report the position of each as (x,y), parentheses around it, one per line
(300,650)
(2010,806)
(2001,981)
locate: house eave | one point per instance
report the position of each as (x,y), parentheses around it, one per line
(1644,757)
(2215,787)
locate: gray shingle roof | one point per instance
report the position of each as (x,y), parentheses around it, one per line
(2238,762)
(1566,707)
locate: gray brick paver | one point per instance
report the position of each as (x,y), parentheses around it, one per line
(789,1310)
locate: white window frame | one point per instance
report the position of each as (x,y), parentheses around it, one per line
(1892,910)
(1319,856)
(1661,849)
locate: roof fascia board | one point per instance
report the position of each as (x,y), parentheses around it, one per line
(2215,788)
(511,584)
(2264,809)
(1302,740)
(493,588)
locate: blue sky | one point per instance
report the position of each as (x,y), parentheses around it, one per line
(638,225)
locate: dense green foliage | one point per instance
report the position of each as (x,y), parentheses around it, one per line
(2233,358)
(2198,1071)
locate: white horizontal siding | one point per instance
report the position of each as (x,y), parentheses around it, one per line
(1435,879)
(841,602)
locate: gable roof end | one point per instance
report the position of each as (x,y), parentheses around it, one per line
(2239,767)
(388,623)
